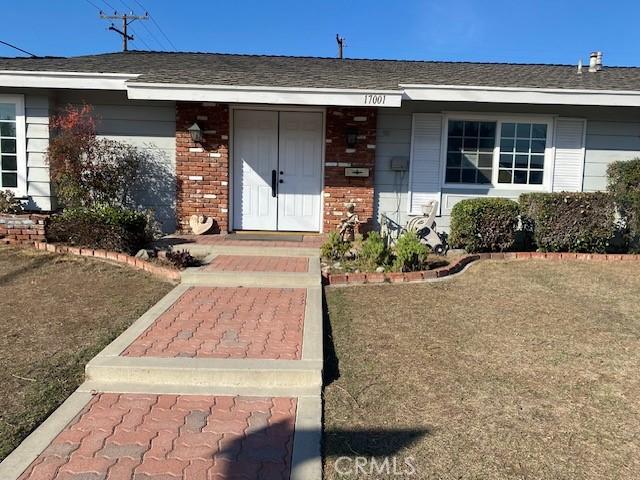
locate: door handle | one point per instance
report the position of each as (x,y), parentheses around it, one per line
(274,183)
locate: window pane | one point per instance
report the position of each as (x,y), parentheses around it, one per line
(535,177)
(487,144)
(468,176)
(470,143)
(455,128)
(522,161)
(523,130)
(488,129)
(539,130)
(504,176)
(7,129)
(520,176)
(537,161)
(484,176)
(469,160)
(485,160)
(507,145)
(453,159)
(7,146)
(455,144)
(506,161)
(471,129)
(9,162)
(538,146)
(9,180)
(522,146)
(453,175)
(7,111)
(508,129)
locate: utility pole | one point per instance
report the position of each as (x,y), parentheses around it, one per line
(126,20)
(340,41)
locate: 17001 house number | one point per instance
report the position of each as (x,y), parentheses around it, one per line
(371,99)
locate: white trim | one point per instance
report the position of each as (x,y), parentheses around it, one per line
(261,95)
(553,96)
(583,150)
(287,108)
(21,143)
(79,80)
(549,154)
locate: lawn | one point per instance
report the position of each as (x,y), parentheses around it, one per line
(56,313)
(513,370)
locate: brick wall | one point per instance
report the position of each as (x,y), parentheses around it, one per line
(202,169)
(338,189)
(23,228)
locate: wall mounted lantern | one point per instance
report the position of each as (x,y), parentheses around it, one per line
(196,133)
(351,137)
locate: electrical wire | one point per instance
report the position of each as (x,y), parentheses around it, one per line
(110,6)
(156,24)
(93,5)
(18,48)
(138,37)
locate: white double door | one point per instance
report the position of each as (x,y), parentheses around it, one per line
(277,168)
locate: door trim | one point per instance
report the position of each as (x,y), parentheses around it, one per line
(277,108)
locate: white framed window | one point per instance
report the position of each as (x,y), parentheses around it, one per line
(13,161)
(498,151)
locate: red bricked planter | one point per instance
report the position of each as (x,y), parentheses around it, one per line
(166,272)
(458,265)
(22,228)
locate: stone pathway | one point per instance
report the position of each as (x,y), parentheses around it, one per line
(221,379)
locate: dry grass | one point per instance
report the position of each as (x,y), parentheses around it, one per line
(518,370)
(56,313)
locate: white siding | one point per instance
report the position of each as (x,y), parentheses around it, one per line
(424,182)
(569,159)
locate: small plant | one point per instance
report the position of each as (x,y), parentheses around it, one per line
(181,259)
(374,252)
(335,248)
(9,203)
(484,224)
(410,253)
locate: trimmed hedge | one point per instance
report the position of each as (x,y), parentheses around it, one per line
(101,227)
(571,222)
(624,185)
(484,224)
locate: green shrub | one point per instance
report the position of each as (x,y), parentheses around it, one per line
(624,185)
(105,227)
(334,248)
(410,254)
(374,252)
(571,222)
(484,224)
(9,203)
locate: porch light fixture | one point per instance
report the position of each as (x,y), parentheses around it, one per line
(196,133)
(351,137)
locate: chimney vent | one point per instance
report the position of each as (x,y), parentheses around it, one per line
(593,62)
(598,60)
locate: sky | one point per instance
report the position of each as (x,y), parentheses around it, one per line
(522,31)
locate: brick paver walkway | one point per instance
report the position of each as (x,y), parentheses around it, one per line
(228,322)
(168,437)
(240,263)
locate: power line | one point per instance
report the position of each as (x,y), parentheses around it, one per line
(109,5)
(126,20)
(138,37)
(18,48)
(144,25)
(157,25)
(93,4)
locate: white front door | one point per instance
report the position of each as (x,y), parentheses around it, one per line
(277,188)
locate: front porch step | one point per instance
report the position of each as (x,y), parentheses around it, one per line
(197,276)
(302,377)
(200,250)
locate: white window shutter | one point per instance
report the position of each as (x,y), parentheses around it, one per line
(424,177)
(568,167)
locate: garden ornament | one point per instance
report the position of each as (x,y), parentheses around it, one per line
(200,224)
(348,225)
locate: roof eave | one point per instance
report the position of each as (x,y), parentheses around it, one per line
(70,80)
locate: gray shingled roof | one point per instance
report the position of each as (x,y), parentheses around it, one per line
(281,71)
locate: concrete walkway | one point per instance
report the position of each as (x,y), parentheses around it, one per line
(221,379)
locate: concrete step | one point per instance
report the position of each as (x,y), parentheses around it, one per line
(302,377)
(197,276)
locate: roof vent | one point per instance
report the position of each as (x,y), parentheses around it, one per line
(595,61)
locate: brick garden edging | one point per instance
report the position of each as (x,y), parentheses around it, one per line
(459,264)
(150,267)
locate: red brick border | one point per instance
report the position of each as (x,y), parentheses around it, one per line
(458,265)
(22,228)
(123,258)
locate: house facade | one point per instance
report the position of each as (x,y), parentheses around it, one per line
(286,143)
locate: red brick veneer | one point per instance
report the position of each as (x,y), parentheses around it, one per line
(23,228)
(202,169)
